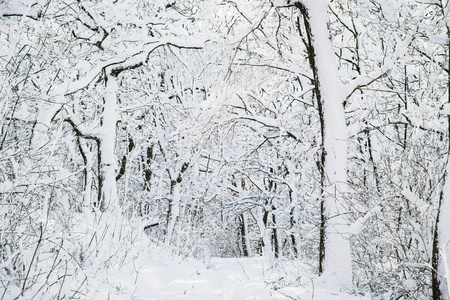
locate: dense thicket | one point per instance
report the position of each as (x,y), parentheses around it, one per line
(292,129)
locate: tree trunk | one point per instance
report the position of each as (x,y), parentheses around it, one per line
(441,238)
(435,280)
(174,209)
(106,144)
(441,243)
(175,201)
(293,222)
(336,259)
(265,233)
(88,158)
(276,237)
(148,169)
(244,236)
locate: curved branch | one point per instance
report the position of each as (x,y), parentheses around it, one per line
(78,131)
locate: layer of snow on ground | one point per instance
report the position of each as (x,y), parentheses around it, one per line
(218,278)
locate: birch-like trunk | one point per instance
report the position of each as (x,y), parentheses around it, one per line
(336,260)
(174,210)
(88,156)
(107,140)
(265,234)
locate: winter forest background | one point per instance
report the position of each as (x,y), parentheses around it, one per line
(310,130)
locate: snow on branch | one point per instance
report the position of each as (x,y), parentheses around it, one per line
(365,80)
(358,225)
(79,132)
(117,65)
(276,66)
(255,26)
(437,40)
(268,122)
(19,11)
(346,22)
(143,57)
(90,77)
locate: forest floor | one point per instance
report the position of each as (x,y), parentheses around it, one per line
(159,277)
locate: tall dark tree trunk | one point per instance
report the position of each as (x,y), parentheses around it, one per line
(435,281)
(243,237)
(321,163)
(275,237)
(292,222)
(148,170)
(123,164)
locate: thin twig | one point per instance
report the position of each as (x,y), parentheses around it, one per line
(32,260)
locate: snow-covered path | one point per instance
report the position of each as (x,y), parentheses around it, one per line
(225,278)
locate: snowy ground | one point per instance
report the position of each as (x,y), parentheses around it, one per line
(161,278)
